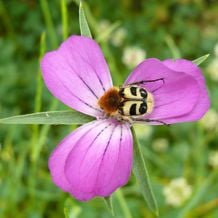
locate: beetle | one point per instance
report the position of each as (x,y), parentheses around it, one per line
(135,101)
(129,102)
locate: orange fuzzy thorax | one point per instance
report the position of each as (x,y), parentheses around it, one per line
(110,101)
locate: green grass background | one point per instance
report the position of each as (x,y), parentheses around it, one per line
(30,27)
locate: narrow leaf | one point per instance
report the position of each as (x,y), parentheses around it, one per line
(50,117)
(84,27)
(198,61)
(141,173)
(109,203)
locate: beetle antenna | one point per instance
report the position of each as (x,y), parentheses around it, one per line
(147,81)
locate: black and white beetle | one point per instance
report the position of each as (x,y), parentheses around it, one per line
(129,102)
(135,101)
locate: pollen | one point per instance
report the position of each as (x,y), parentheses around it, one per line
(110,101)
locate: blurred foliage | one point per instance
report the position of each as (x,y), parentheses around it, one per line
(26,189)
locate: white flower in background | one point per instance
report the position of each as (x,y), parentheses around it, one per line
(132,56)
(210,120)
(160,144)
(213,159)
(213,69)
(177,192)
(103,25)
(216,49)
(118,36)
(143,131)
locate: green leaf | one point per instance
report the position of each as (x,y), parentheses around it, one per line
(141,173)
(109,203)
(50,117)
(84,27)
(198,61)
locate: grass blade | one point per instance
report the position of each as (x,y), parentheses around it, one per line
(64,15)
(38,95)
(49,23)
(172,46)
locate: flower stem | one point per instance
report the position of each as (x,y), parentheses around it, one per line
(123,204)
(141,173)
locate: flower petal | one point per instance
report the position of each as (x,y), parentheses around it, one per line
(59,155)
(94,160)
(175,97)
(190,68)
(77,74)
(100,162)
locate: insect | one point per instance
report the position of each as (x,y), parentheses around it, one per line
(129,103)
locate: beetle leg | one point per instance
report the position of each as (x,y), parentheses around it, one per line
(149,120)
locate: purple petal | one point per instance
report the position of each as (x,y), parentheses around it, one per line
(59,155)
(176,97)
(77,74)
(94,160)
(100,162)
(203,102)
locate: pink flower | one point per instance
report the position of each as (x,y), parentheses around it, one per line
(96,159)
